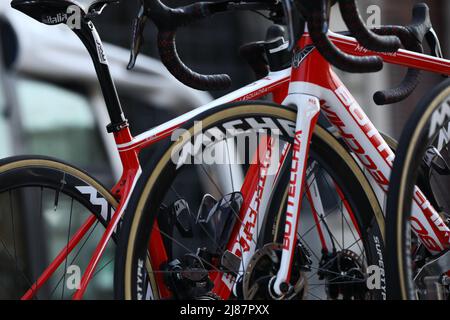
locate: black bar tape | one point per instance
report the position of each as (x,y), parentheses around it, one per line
(169,57)
(168,20)
(412,77)
(365,37)
(336,57)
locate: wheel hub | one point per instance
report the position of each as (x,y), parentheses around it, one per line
(344,273)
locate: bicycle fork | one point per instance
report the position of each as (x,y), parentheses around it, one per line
(307,115)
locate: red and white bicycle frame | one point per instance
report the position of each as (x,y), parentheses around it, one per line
(312,86)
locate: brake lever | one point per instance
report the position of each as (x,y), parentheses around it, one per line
(96,8)
(138,36)
(288,13)
(434,43)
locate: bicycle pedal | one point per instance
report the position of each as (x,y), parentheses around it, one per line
(220,220)
(231,262)
(210,296)
(208,202)
(182,217)
(188,278)
(433,159)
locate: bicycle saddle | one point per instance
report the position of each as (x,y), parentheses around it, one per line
(49,12)
(56,11)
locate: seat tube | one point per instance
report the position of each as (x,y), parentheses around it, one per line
(89,36)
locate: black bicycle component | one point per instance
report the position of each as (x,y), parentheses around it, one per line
(182,218)
(188,278)
(254,54)
(345,275)
(96,8)
(366,37)
(431,279)
(218,222)
(317,14)
(90,38)
(294,22)
(231,262)
(54,12)
(412,37)
(168,20)
(50,12)
(257,282)
(208,202)
(433,160)
(288,10)
(270,55)
(278,53)
(138,37)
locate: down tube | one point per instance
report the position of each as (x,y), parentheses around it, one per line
(363,138)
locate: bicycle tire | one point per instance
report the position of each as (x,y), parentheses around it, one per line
(154,172)
(405,174)
(24,176)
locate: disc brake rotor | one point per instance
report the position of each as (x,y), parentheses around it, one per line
(263,266)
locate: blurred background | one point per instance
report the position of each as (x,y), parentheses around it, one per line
(212,46)
(50,99)
(51,104)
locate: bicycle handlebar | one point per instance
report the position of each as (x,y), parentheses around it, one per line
(412,37)
(365,36)
(168,20)
(317,14)
(318,29)
(411,79)
(383,39)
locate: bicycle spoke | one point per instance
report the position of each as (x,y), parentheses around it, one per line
(76,256)
(29,282)
(102,268)
(67,247)
(186,248)
(337,274)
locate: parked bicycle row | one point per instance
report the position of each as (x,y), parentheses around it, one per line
(281,190)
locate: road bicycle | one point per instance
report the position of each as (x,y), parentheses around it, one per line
(230,258)
(413,272)
(272,267)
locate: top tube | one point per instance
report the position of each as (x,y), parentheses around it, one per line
(402,57)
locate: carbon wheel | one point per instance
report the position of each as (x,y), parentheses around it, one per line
(44,203)
(158,183)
